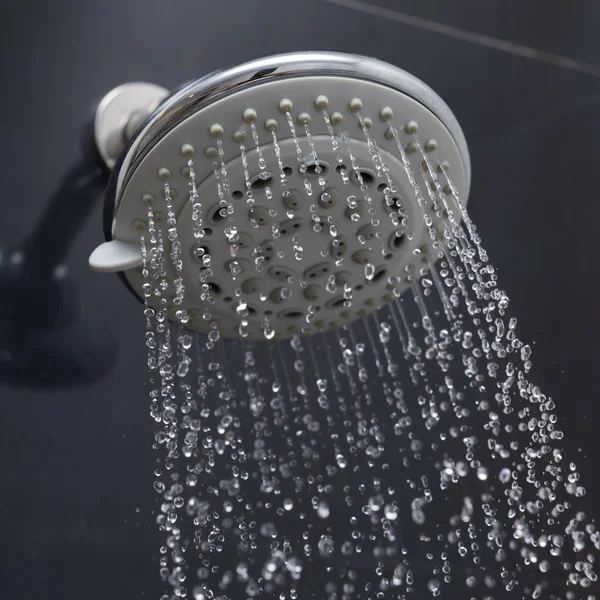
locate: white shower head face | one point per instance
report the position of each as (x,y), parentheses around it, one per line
(273,223)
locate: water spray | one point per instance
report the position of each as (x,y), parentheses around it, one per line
(342,404)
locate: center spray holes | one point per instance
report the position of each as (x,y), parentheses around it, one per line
(251,309)
(319,270)
(368,232)
(311,170)
(359,211)
(280,273)
(292,200)
(395,206)
(336,302)
(396,240)
(237,265)
(276,296)
(312,293)
(329,198)
(258,183)
(260,214)
(339,246)
(214,288)
(217,215)
(253,285)
(267,251)
(291,314)
(290,226)
(367,176)
(362,257)
(343,278)
(199,251)
(244,240)
(380,273)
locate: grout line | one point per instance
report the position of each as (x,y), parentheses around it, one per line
(471,37)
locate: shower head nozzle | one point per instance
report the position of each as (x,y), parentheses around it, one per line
(281,197)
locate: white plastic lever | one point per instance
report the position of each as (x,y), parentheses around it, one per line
(115,256)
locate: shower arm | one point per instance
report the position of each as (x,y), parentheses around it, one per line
(46,338)
(71,203)
(116,118)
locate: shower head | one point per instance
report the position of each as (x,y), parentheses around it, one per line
(286,191)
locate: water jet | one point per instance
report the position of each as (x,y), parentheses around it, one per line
(296,228)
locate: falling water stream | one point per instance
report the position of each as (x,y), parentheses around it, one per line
(406,455)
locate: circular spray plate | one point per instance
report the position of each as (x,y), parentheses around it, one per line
(313,254)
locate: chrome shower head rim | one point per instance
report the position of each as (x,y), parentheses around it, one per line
(196,95)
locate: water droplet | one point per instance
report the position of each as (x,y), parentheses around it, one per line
(326,546)
(323,509)
(341,461)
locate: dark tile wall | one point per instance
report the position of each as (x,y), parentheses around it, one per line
(76,464)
